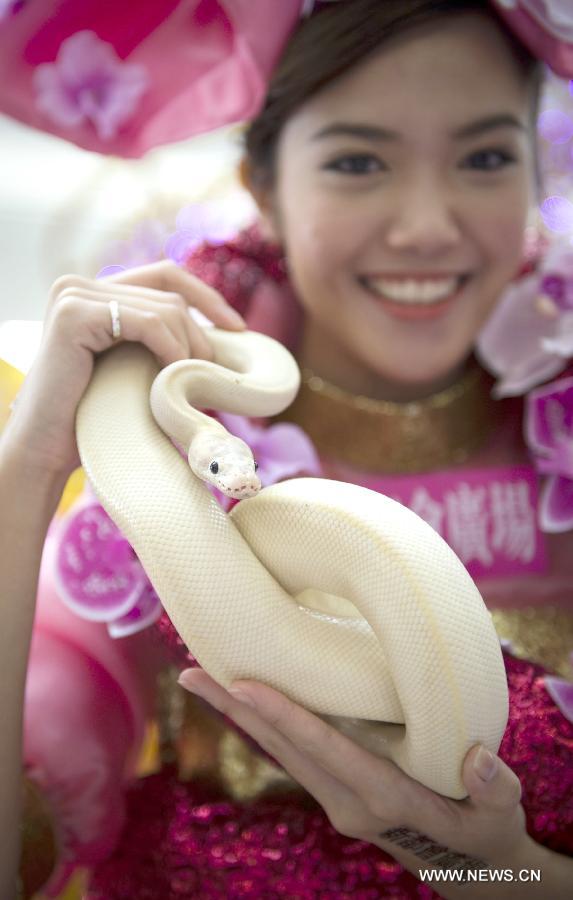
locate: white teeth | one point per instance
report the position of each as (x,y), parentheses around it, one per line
(410,291)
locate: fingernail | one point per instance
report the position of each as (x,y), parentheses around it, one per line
(242,697)
(485,764)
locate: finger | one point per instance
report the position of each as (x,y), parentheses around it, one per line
(166,275)
(490,782)
(326,789)
(169,308)
(89,323)
(338,754)
(150,329)
(337,768)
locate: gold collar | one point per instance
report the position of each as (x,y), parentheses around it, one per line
(378,435)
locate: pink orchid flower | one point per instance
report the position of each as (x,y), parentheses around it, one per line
(549,434)
(529,336)
(88,81)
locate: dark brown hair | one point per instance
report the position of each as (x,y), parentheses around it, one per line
(336,38)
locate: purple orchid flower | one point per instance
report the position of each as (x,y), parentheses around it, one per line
(529,336)
(89,82)
(549,434)
(561,691)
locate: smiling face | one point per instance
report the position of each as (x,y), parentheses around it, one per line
(378,228)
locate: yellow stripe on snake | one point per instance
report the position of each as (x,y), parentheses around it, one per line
(337,596)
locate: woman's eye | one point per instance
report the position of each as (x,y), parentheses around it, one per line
(356,164)
(490,160)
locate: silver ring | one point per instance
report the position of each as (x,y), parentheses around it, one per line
(115,320)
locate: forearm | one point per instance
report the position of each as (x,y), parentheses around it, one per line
(28,500)
(501,878)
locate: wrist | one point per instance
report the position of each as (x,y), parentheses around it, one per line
(32,480)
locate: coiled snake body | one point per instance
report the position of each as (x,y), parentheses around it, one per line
(335,595)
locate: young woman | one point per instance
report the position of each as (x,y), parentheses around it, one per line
(394,168)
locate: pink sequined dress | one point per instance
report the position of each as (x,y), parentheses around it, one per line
(217,819)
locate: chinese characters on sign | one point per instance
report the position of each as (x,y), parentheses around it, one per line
(487,516)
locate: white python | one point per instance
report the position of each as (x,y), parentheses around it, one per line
(393,630)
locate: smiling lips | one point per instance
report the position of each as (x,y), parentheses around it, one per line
(416,297)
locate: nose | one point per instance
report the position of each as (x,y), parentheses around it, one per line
(424,219)
(242,485)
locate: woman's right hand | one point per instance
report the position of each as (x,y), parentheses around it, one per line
(154,304)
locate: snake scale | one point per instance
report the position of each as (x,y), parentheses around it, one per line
(337,596)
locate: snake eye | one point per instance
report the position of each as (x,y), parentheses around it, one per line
(214,467)
(256,465)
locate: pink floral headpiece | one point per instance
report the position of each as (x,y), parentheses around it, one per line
(526,341)
(545,27)
(121,80)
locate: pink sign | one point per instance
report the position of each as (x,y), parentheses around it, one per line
(487,516)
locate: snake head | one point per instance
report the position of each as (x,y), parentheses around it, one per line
(226,462)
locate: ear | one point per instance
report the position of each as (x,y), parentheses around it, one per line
(264,197)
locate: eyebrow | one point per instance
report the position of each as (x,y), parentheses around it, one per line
(374,133)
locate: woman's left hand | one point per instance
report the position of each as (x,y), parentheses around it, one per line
(371,799)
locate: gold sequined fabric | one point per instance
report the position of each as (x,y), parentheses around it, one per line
(542,634)
(204,745)
(382,436)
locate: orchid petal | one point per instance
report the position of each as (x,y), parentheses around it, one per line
(242,427)
(563,337)
(549,415)
(287,443)
(558,259)
(561,691)
(88,81)
(511,336)
(529,374)
(556,505)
